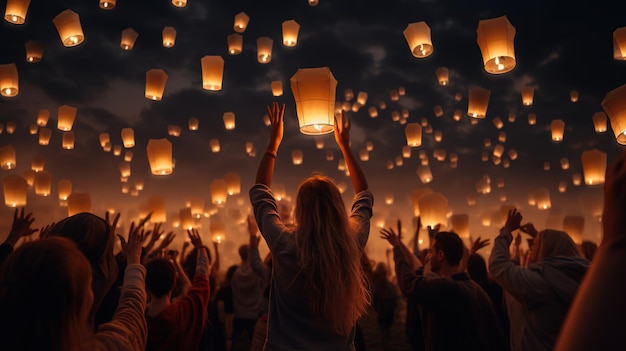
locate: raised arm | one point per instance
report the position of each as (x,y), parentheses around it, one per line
(342,137)
(265,173)
(596,317)
(21,228)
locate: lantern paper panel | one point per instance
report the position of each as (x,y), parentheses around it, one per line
(64,188)
(233,183)
(129,36)
(9,80)
(128,137)
(155,84)
(415,196)
(229,120)
(594,166)
(68,140)
(43,183)
(219,192)
(193,123)
(614,104)
(15,191)
(241,22)
(169,37)
(160,156)
(277,88)
(235,43)
(417,35)
(290,32)
(16,11)
(558,128)
(496,41)
(599,122)
(478,102)
(619,43)
(443,75)
(433,209)
(212,72)
(314,91)
(69,28)
(34,51)
(157,206)
(7,157)
(264,49)
(66,117)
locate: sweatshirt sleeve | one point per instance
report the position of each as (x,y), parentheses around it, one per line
(361,213)
(266,214)
(256,263)
(128,329)
(523,283)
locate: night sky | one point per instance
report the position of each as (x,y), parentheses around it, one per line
(559,48)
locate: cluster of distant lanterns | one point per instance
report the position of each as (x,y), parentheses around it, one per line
(314,91)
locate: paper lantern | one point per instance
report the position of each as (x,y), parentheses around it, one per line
(438,110)
(241,22)
(128,156)
(42,117)
(9,80)
(442,75)
(34,51)
(218,230)
(619,43)
(229,120)
(512,117)
(594,166)
(456,115)
(532,119)
(78,202)
(290,32)
(512,154)
(313,2)
(69,28)
(576,179)
(433,209)
(169,37)
(527,95)
(104,138)
(439,155)
(562,187)
(68,140)
(361,98)
(179,3)
(495,39)
(264,49)
(233,183)
(498,150)
(364,155)
(219,192)
(478,102)
(186,218)
(7,157)
(155,84)
(44,135)
(117,150)
(156,205)
(558,128)
(235,43)
(564,163)
(16,11)
(413,132)
(424,173)
(459,224)
(64,187)
(417,35)
(67,115)
(415,196)
(107,4)
(497,122)
(546,166)
(173,130)
(129,36)
(348,94)
(542,199)
(614,104)
(573,96)
(124,169)
(193,123)
(394,95)
(43,183)
(128,137)
(296,157)
(212,72)
(15,191)
(214,144)
(502,137)
(599,122)
(160,156)
(277,88)
(314,91)
(574,226)
(438,136)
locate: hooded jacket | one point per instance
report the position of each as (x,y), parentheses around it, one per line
(546,289)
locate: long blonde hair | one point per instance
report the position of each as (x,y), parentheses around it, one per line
(550,243)
(329,255)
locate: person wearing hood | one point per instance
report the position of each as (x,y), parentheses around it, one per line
(546,288)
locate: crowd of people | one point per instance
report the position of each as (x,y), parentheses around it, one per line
(67,289)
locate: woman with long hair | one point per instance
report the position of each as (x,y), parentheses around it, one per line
(319,289)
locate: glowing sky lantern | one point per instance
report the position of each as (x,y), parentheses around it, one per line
(241,22)
(542,199)
(160,156)
(66,117)
(43,183)
(413,132)
(574,225)
(7,157)
(78,202)
(438,110)
(117,150)
(218,230)
(277,88)
(417,35)
(564,163)
(214,144)
(69,28)
(229,120)
(290,32)
(478,102)
(34,51)
(155,84)
(219,192)
(179,3)
(9,80)
(128,137)
(424,173)
(129,36)
(433,209)
(193,123)
(67,140)
(562,187)
(16,11)
(528,93)
(107,4)
(495,38)
(558,128)
(44,136)
(619,43)
(314,91)
(264,49)
(459,223)
(186,218)
(235,43)
(497,122)
(573,96)
(15,190)
(124,169)
(212,72)
(443,75)
(313,2)
(233,183)
(169,36)
(128,156)
(297,157)
(614,104)
(532,119)
(372,111)
(157,205)
(42,117)
(599,122)
(104,138)
(594,166)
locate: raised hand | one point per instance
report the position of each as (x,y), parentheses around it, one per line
(529,229)
(194,237)
(276,112)
(342,130)
(131,249)
(399,229)
(112,222)
(432,231)
(518,240)
(45,230)
(252,231)
(169,237)
(390,236)
(478,244)
(513,220)
(21,227)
